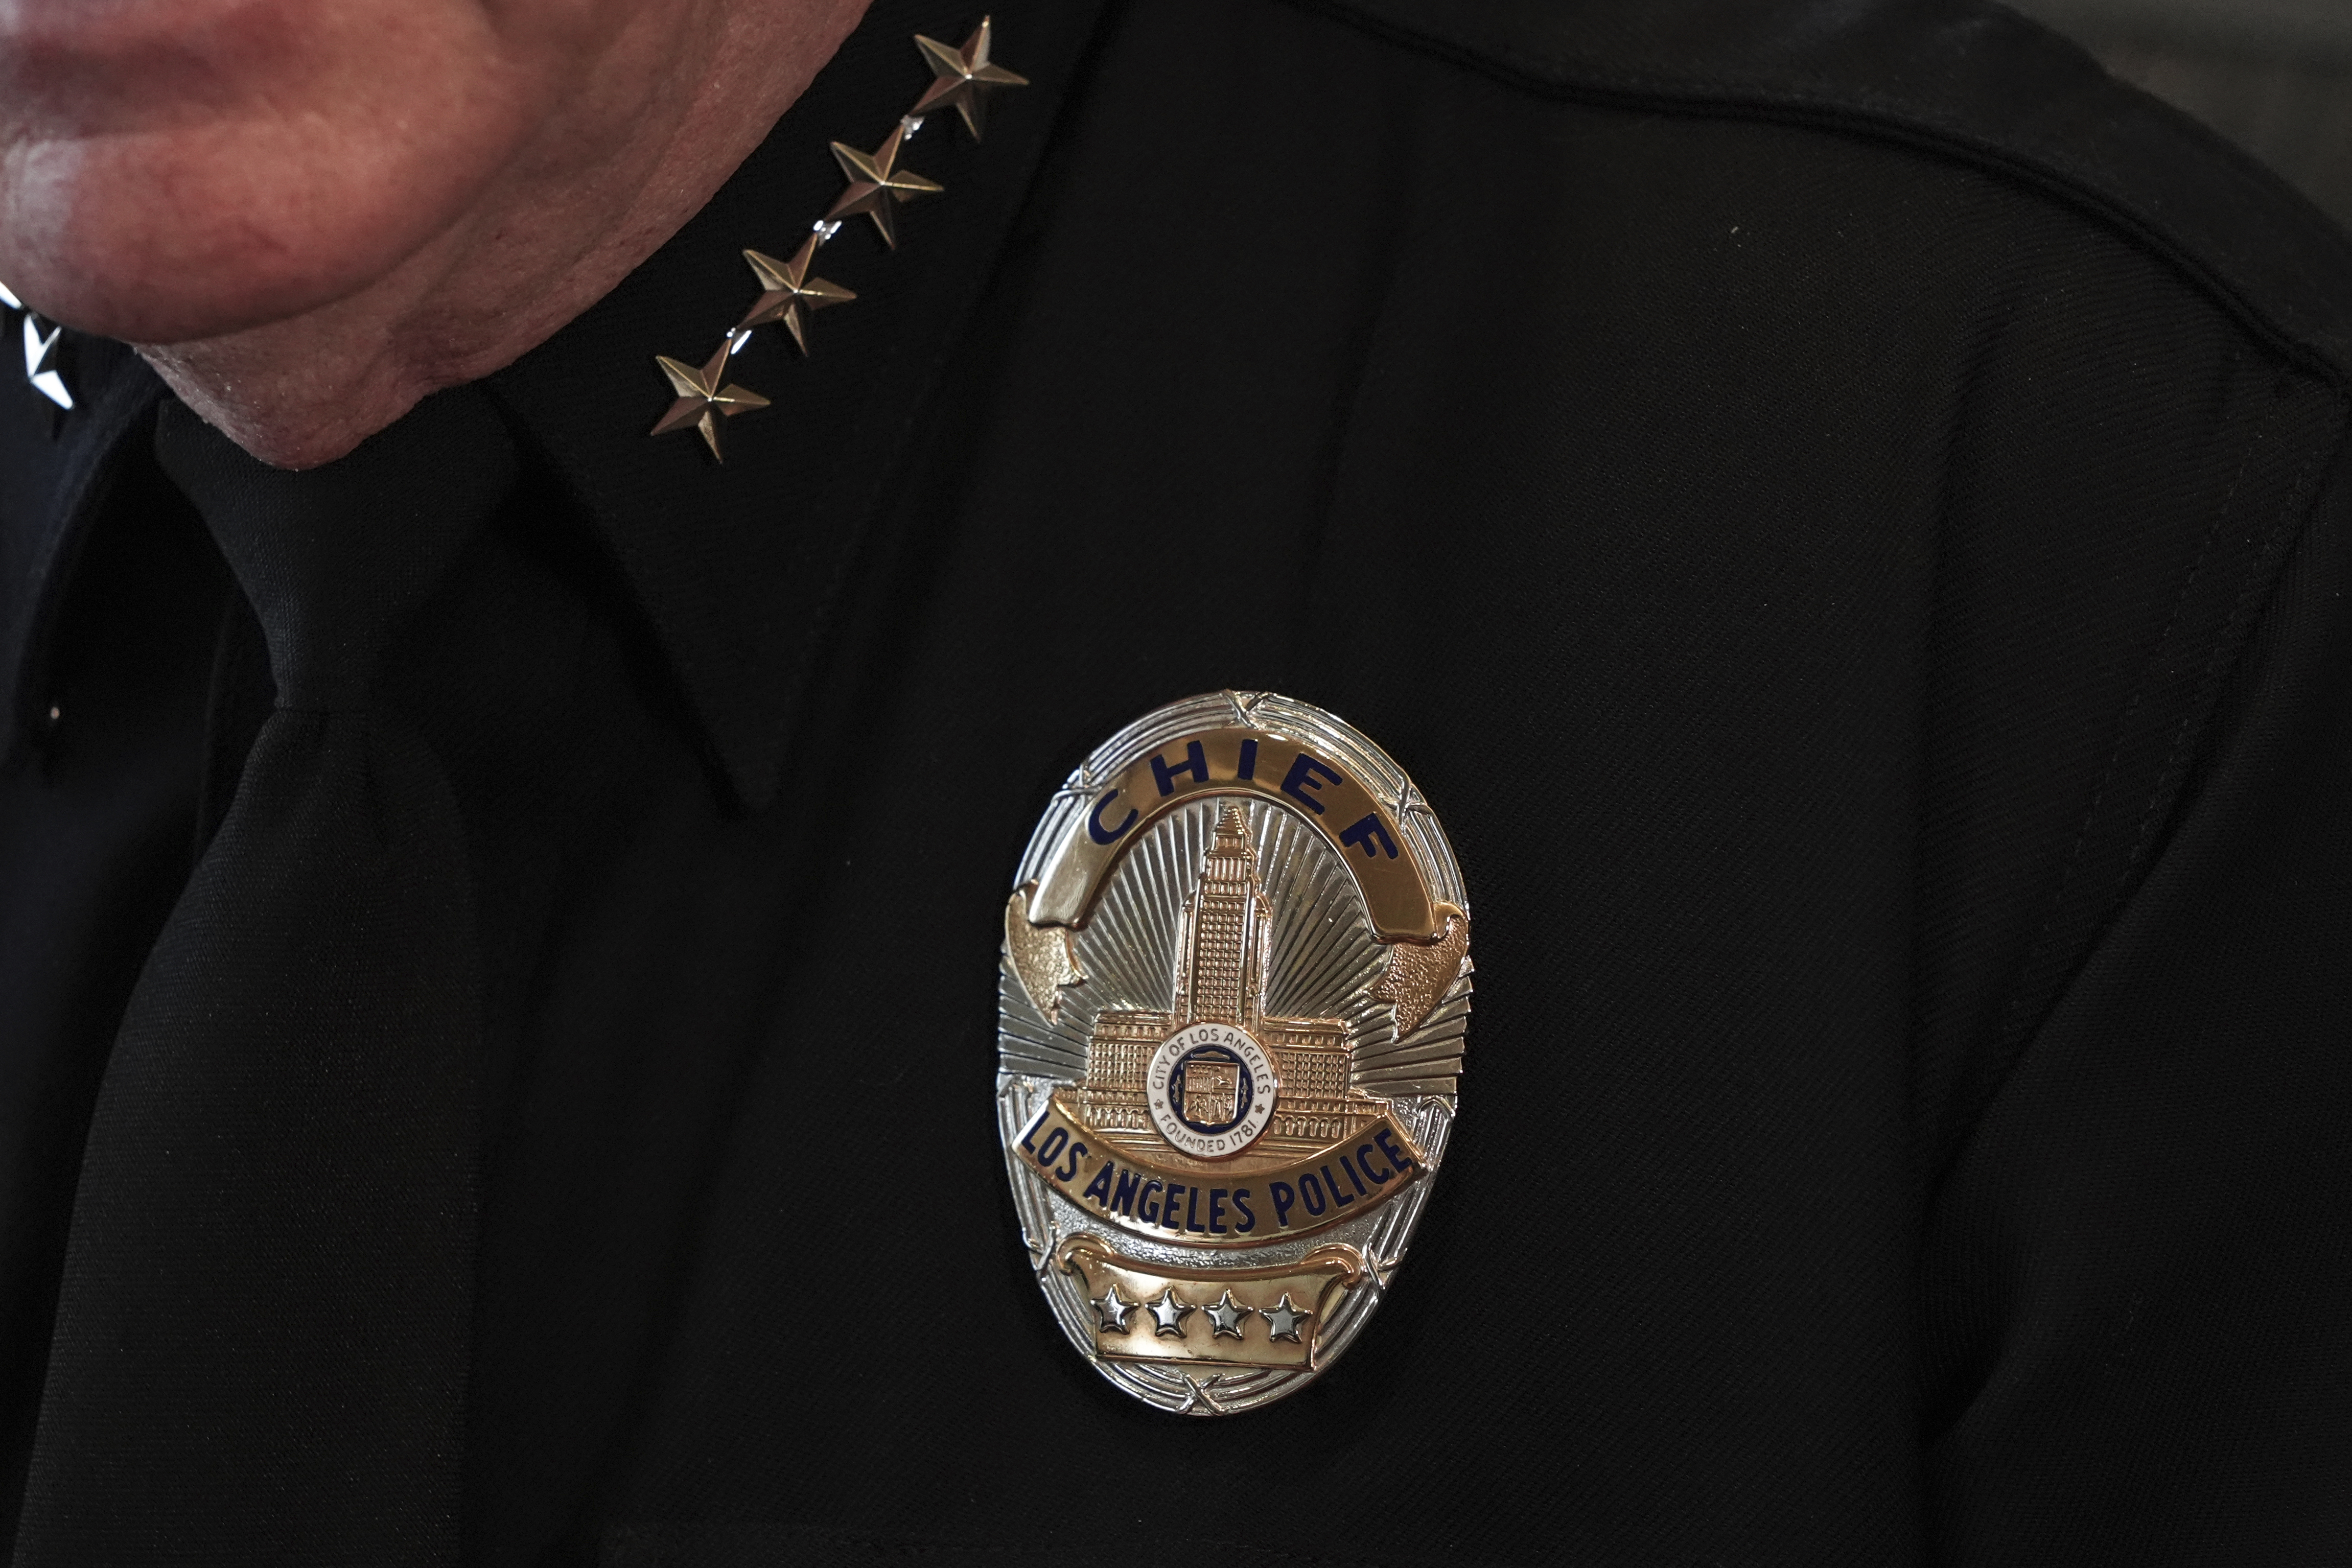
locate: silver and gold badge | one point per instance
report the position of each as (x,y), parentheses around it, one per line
(1232,1005)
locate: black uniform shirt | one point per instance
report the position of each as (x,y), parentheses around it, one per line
(1837,506)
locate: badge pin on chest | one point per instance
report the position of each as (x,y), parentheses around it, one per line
(1233,1000)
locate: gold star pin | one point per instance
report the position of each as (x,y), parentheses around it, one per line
(964,76)
(790,293)
(876,184)
(703,395)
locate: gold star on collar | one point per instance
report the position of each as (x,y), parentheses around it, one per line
(790,293)
(876,184)
(703,395)
(964,76)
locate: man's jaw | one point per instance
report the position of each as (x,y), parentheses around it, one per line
(303,258)
(180,168)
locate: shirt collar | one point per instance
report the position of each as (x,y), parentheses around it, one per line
(55,473)
(735,566)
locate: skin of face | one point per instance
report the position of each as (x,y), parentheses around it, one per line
(309,214)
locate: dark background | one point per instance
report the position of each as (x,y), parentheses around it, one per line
(2273,75)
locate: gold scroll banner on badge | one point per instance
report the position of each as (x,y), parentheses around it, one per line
(1256,763)
(1232,1317)
(1202,1207)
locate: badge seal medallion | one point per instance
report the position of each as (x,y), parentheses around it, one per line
(1231,1004)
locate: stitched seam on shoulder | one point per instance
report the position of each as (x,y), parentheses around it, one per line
(2056,904)
(2299,498)
(2067,175)
(1559,73)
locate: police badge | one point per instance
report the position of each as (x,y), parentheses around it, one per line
(1231,1010)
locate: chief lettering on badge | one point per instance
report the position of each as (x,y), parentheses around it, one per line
(1232,1006)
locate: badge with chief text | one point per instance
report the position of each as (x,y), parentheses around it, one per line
(1230,1011)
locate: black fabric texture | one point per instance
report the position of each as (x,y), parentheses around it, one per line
(264,1324)
(101,832)
(1841,508)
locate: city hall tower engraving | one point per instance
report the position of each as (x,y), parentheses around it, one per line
(1221,978)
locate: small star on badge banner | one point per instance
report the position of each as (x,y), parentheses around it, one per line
(704,394)
(1226,1316)
(962,77)
(789,293)
(1112,1311)
(1167,1314)
(876,184)
(1283,1319)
